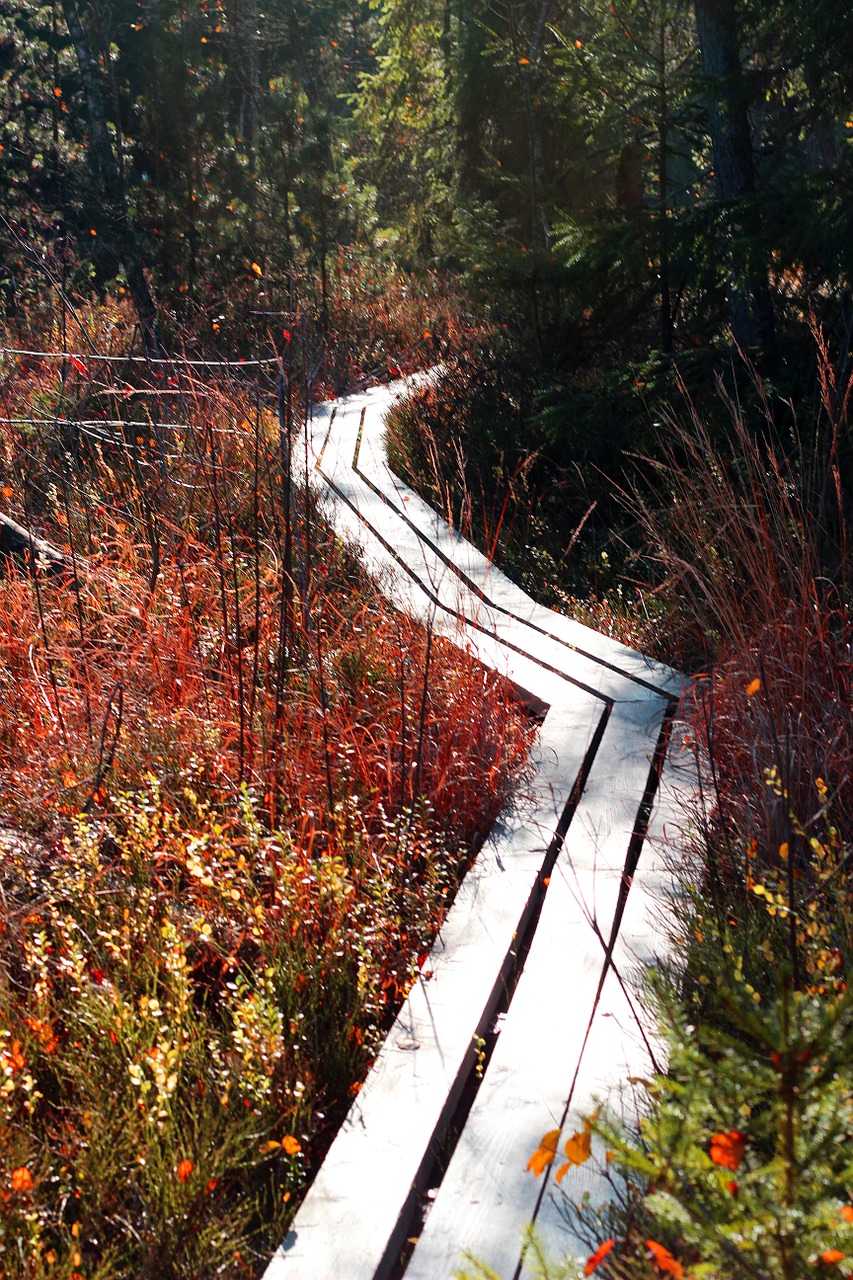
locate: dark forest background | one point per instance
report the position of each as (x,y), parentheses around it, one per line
(614,179)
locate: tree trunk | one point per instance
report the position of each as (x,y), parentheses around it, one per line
(667,323)
(750,307)
(104,161)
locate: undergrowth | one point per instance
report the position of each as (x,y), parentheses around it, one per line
(737,1165)
(730,1159)
(238,792)
(506,461)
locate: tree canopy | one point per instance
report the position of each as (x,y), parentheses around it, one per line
(657,168)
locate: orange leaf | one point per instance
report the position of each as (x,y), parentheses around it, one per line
(22,1179)
(184,1169)
(753,687)
(579,1147)
(599,1256)
(847,1212)
(524,62)
(45,1033)
(544,1153)
(831,1256)
(14,1057)
(258,270)
(291,1145)
(665,1262)
(727,1149)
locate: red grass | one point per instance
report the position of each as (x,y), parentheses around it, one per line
(750,536)
(182,595)
(280,780)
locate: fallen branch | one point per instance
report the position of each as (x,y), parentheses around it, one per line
(17,541)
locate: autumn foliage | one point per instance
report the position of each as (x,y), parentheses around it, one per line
(238,794)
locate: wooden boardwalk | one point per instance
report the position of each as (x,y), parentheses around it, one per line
(526,1010)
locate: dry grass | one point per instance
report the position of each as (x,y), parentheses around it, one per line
(254,787)
(750,537)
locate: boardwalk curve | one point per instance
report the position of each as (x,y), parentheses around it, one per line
(526,1009)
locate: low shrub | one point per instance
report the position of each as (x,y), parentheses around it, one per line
(238,790)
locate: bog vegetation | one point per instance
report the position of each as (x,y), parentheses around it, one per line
(237,790)
(238,793)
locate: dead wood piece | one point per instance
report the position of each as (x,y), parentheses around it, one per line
(19,542)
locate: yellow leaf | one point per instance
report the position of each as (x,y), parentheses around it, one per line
(544,1153)
(267,1147)
(579,1147)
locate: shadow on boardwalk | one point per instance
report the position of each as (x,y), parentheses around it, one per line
(526,1010)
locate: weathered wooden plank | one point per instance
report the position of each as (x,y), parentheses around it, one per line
(487,1197)
(623,1045)
(483,574)
(353,1220)
(439,598)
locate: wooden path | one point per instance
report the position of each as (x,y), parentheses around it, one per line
(526,1010)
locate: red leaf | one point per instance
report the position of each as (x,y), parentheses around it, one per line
(79,366)
(727,1149)
(665,1262)
(599,1256)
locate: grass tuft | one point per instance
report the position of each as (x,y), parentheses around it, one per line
(238,793)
